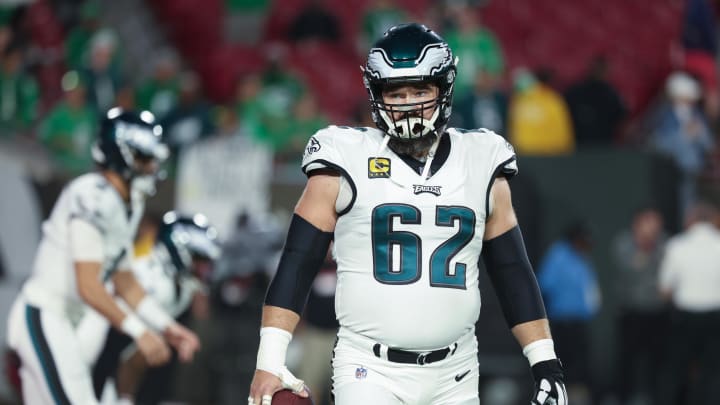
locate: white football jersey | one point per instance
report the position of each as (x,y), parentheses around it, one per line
(158,279)
(52,285)
(408,250)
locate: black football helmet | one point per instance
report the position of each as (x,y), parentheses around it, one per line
(185,237)
(126,138)
(407,54)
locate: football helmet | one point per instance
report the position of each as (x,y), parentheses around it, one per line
(407,54)
(127,139)
(181,238)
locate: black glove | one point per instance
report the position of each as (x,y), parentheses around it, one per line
(549,385)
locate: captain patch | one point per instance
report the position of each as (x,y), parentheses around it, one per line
(378,168)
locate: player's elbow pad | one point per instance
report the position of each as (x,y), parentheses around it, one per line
(512,277)
(304,252)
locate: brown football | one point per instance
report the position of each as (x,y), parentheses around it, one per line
(286,397)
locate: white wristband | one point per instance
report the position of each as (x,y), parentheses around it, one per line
(132,326)
(273,348)
(153,314)
(540,350)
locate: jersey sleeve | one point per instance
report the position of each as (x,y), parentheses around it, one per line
(86,203)
(504,158)
(322,152)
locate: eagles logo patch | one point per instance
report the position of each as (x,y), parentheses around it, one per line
(421,188)
(312,146)
(378,168)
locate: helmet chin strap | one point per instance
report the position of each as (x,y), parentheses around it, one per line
(430,157)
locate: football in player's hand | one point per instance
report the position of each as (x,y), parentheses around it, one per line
(287,397)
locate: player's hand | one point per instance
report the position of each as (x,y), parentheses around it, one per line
(549,383)
(183,340)
(153,348)
(265,384)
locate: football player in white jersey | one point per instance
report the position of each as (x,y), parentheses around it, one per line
(87,240)
(412,207)
(174,273)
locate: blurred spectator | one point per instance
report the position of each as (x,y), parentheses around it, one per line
(641,311)
(245,20)
(225,175)
(247,107)
(539,122)
(379,16)
(477,48)
(315,21)
(305,121)
(67,131)
(159,94)
(690,280)
(264,103)
(19,93)
(484,107)
(572,300)
(190,119)
(681,132)
(699,30)
(318,333)
(6,37)
(280,87)
(596,108)
(101,76)
(79,37)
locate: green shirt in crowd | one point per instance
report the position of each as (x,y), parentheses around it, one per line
(68,134)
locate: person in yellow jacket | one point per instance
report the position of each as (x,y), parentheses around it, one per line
(539,120)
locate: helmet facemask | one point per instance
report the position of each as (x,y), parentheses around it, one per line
(410,55)
(407,121)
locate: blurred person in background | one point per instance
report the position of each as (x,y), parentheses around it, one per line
(475,46)
(306,119)
(485,106)
(80,35)
(245,20)
(680,131)
(225,175)
(690,281)
(100,73)
(636,255)
(86,240)
(318,331)
(315,22)
(175,273)
(190,119)
(377,18)
(572,296)
(159,94)
(68,129)
(596,107)
(539,122)
(19,93)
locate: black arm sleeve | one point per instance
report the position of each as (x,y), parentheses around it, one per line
(512,277)
(305,249)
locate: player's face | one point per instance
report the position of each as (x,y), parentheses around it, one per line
(421,97)
(146,164)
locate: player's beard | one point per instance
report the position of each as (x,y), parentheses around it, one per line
(416,148)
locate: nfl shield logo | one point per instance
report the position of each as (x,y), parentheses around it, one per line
(360,373)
